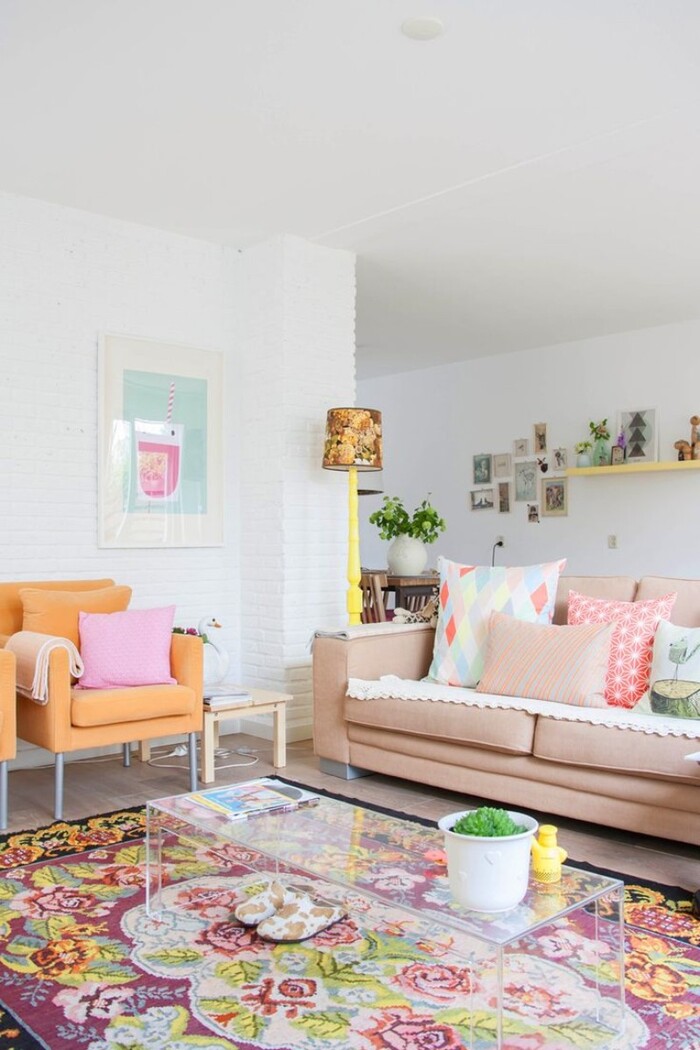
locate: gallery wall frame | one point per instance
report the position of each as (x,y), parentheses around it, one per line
(640,428)
(554,499)
(482,468)
(160,444)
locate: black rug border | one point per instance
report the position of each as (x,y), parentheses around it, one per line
(676,893)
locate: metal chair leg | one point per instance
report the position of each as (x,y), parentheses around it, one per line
(3,795)
(58,787)
(126,751)
(192,744)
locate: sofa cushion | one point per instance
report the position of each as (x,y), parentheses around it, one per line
(468,596)
(495,729)
(686,609)
(56,612)
(621,588)
(674,681)
(126,648)
(106,707)
(619,750)
(633,637)
(563,664)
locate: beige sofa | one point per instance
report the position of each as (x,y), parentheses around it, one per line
(618,777)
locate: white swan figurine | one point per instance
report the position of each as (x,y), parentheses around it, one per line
(216,660)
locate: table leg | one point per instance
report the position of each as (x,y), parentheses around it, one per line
(279,737)
(208,747)
(145,750)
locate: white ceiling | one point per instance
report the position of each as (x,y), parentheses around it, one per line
(530,177)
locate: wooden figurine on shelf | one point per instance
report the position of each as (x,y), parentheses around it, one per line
(690,449)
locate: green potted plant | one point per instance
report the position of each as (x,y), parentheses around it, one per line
(583,453)
(407,555)
(488,856)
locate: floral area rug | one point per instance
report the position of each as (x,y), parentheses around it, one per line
(82,965)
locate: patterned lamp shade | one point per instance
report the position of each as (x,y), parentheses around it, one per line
(353,439)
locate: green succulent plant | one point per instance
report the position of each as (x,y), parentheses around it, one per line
(487,822)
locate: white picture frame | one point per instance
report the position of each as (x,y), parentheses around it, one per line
(641,429)
(160,444)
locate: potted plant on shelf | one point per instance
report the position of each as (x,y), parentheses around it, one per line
(407,555)
(488,856)
(583,453)
(601,443)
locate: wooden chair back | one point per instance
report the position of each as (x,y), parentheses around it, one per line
(373,597)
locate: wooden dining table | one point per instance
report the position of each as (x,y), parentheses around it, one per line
(401,587)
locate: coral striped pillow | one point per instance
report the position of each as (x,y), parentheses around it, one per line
(567,665)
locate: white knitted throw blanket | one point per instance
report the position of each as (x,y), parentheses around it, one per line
(32,651)
(393,688)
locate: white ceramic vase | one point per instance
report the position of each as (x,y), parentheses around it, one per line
(406,556)
(583,459)
(488,874)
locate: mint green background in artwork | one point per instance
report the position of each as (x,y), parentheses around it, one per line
(146,397)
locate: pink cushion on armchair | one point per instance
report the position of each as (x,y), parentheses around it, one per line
(126,648)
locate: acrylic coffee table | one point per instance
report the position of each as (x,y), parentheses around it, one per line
(372,856)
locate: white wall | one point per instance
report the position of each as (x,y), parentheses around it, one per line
(66,276)
(436,419)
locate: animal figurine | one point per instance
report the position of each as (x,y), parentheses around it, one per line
(690,449)
(216,659)
(547,857)
(543,465)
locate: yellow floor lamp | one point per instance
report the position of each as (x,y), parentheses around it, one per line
(353,443)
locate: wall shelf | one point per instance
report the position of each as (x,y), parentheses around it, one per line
(635,468)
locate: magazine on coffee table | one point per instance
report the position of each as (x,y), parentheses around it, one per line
(239,801)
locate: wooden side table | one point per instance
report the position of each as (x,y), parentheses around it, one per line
(262,702)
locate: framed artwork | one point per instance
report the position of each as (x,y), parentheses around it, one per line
(504,497)
(533,513)
(502,465)
(560,460)
(540,438)
(526,480)
(521,447)
(482,469)
(481,499)
(555,497)
(617,455)
(160,444)
(640,428)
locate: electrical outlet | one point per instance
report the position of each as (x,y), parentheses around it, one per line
(612,541)
(501,540)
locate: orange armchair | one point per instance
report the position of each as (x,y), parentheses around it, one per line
(8,734)
(73,719)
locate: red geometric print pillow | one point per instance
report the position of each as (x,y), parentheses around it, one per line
(632,641)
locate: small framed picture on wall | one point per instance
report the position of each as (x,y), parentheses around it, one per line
(502,465)
(555,498)
(482,469)
(504,497)
(481,499)
(540,438)
(521,447)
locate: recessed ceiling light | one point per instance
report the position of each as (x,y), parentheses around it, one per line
(422,28)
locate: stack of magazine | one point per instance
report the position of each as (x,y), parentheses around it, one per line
(239,801)
(225,694)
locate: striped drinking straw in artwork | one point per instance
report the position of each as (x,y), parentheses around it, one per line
(171,402)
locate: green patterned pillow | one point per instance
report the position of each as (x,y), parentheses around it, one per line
(674,687)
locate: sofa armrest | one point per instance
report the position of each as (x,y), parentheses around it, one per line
(187,662)
(8,706)
(335,660)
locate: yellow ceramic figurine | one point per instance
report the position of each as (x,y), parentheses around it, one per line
(547,857)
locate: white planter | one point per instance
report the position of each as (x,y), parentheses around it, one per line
(583,459)
(488,874)
(406,556)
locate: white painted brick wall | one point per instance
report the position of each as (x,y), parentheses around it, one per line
(65,276)
(298,361)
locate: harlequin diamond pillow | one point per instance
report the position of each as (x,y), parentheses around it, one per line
(632,641)
(674,681)
(468,596)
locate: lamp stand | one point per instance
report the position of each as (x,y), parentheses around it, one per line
(354,599)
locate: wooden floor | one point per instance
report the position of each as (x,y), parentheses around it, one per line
(97,786)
